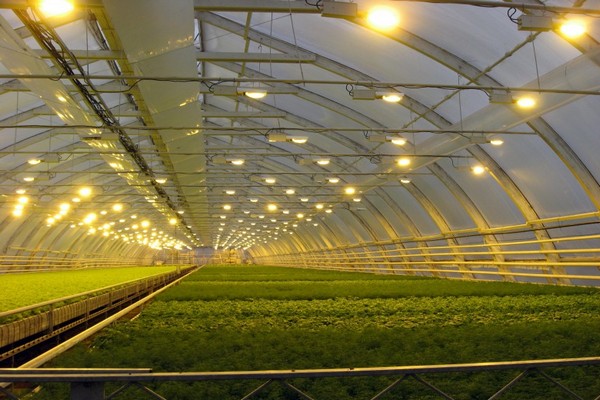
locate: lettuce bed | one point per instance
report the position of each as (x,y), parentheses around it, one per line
(249,318)
(19,290)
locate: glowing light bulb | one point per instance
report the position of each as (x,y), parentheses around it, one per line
(85,192)
(323,161)
(319,206)
(290,191)
(145,224)
(526,102)
(64,207)
(230,192)
(23,199)
(350,190)
(299,139)
(21,191)
(383,18)
(227,207)
(496,141)
(237,161)
(91,217)
(333,180)
(29,179)
(405,180)
(398,141)
(34,161)
(478,169)
(404,161)
(256,94)
(272,207)
(17,212)
(270,180)
(173,221)
(572,29)
(117,207)
(392,97)
(53,8)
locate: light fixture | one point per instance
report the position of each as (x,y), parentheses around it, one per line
(91,217)
(372,94)
(281,137)
(173,221)
(21,191)
(34,161)
(323,161)
(394,139)
(53,8)
(17,212)
(29,179)
(329,211)
(350,190)
(117,207)
(403,161)
(227,207)
(255,94)
(526,102)
(298,139)
(161,180)
(64,207)
(180,212)
(496,141)
(383,18)
(145,223)
(290,191)
(230,192)
(300,215)
(23,200)
(356,199)
(304,199)
(272,207)
(85,191)
(319,206)
(270,181)
(478,169)
(405,180)
(253,200)
(333,179)
(392,97)
(338,9)
(220,160)
(572,28)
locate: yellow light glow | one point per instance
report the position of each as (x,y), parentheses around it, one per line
(329,211)
(253,200)
(496,141)
(256,94)
(383,18)
(300,215)
(333,180)
(350,190)
(23,199)
(19,206)
(34,161)
(304,199)
(75,199)
(270,180)
(145,224)
(230,192)
(173,221)
(526,102)
(21,191)
(478,169)
(299,139)
(50,220)
(227,207)
(290,191)
(572,29)
(319,206)
(392,97)
(404,161)
(91,217)
(29,179)
(161,180)
(398,141)
(323,161)
(64,207)
(357,199)
(405,180)
(117,207)
(85,192)
(237,161)
(272,207)
(53,8)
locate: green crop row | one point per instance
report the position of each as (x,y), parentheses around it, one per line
(257,324)
(19,290)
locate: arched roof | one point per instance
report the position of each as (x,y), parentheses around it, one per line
(118,96)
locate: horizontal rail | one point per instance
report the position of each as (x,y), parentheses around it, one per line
(87,376)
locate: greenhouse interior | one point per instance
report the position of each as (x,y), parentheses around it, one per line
(323,149)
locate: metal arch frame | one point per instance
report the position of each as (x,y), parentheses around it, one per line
(279,45)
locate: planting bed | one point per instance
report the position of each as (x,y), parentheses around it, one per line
(19,290)
(255,318)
